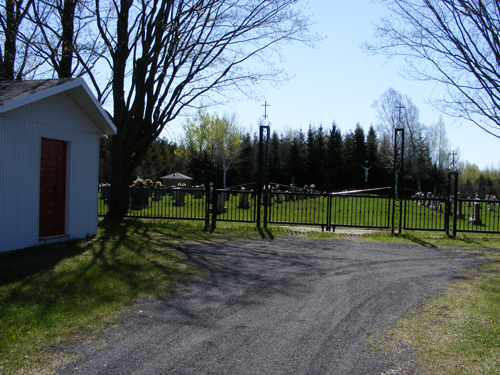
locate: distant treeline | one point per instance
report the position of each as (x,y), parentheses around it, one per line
(330,160)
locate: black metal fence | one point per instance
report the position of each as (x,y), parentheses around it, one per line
(154,203)
(296,207)
(477,215)
(425,212)
(304,207)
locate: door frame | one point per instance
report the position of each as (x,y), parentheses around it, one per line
(56,224)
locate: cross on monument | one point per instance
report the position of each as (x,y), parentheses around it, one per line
(399,107)
(453,156)
(265,105)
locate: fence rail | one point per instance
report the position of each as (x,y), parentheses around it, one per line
(425,214)
(478,215)
(301,207)
(155,203)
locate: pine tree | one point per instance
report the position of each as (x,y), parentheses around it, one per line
(334,159)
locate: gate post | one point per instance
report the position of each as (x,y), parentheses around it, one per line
(399,147)
(213,195)
(328,212)
(264,140)
(207,194)
(453,202)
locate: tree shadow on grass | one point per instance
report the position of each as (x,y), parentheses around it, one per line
(418,241)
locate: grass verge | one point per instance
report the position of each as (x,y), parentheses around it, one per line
(457,331)
(68,291)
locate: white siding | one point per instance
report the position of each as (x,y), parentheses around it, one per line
(21,131)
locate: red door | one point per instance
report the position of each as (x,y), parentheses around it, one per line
(52,188)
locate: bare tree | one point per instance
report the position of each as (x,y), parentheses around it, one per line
(13,58)
(151,60)
(167,56)
(66,38)
(453,42)
(439,143)
(393,110)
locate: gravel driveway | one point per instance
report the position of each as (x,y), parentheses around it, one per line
(286,306)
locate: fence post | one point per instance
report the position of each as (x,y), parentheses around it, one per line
(448,211)
(328,212)
(207,194)
(456,204)
(267,195)
(399,148)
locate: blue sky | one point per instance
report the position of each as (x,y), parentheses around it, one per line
(337,81)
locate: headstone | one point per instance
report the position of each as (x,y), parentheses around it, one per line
(198,193)
(104,190)
(179,196)
(279,197)
(157,194)
(220,204)
(475,217)
(139,198)
(428,202)
(244,202)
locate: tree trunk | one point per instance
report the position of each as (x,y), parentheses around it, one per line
(121,176)
(67,21)
(7,66)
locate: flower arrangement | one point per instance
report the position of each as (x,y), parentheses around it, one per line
(138,183)
(306,187)
(312,186)
(157,184)
(181,185)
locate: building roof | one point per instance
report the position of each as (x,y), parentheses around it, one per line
(15,94)
(176,176)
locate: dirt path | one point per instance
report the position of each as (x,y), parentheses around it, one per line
(287,306)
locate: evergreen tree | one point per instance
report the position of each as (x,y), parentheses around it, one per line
(311,157)
(320,179)
(296,160)
(350,164)
(334,159)
(246,170)
(375,172)
(359,157)
(275,164)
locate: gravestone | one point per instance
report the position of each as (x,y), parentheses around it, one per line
(221,209)
(198,193)
(428,202)
(157,194)
(279,196)
(475,217)
(179,196)
(244,202)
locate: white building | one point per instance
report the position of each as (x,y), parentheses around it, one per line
(49,161)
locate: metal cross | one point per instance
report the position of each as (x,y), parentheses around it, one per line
(265,105)
(400,107)
(453,155)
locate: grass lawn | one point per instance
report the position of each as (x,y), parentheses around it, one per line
(457,331)
(70,291)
